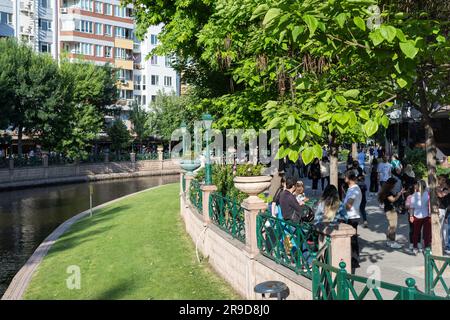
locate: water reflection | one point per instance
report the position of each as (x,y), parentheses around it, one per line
(28,216)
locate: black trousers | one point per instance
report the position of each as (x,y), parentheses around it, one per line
(354,243)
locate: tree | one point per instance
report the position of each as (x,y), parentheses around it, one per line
(83,93)
(119,135)
(140,120)
(27,83)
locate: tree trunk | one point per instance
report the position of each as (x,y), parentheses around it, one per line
(19,140)
(334,165)
(430,143)
(354,151)
(436,241)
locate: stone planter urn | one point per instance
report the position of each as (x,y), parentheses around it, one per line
(190,166)
(252,185)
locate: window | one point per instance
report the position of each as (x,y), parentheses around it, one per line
(108,52)
(137,83)
(108,9)
(120,53)
(45,25)
(143,83)
(84,26)
(5,18)
(120,11)
(153,39)
(45,47)
(168,62)
(155,80)
(86,49)
(167,81)
(108,30)
(99,51)
(153,98)
(154,60)
(144,100)
(98,7)
(45,3)
(99,28)
(119,32)
(86,5)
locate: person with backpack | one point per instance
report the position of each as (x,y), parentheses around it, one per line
(420,215)
(388,198)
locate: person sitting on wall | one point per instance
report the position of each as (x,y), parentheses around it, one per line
(290,208)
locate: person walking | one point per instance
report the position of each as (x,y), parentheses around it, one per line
(362,208)
(384,171)
(324,172)
(420,216)
(362,159)
(443,195)
(352,203)
(373,188)
(388,198)
(314,175)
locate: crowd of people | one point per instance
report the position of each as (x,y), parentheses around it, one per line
(392,182)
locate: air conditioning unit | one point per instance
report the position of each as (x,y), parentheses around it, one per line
(64,10)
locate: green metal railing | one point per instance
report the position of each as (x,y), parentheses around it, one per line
(228,215)
(27,162)
(195,195)
(147,156)
(435,269)
(291,245)
(330,283)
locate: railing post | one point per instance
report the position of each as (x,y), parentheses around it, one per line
(206,192)
(252,207)
(411,291)
(315,277)
(106,157)
(188,178)
(339,243)
(11,163)
(133,160)
(342,288)
(45,160)
(428,272)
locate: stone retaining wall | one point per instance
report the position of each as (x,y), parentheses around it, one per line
(35,176)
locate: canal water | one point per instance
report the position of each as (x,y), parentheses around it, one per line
(28,216)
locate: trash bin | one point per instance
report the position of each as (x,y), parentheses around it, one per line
(273,288)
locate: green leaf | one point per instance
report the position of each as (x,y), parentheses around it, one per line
(316,128)
(364,114)
(274,123)
(388,32)
(370,128)
(290,121)
(271,14)
(259,11)
(353,93)
(402,82)
(296,32)
(321,108)
(400,35)
(282,152)
(293,155)
(342,118)
(291,134)
(341,18)
(359,22)
(317,151)
(302,134)
(308,155)
(385,121)
(312,23)
(341,100)
(376,37)
(409,49)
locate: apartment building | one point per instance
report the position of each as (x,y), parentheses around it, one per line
(154,74)
(100,31)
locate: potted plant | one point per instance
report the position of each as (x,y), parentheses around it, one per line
(189,163)
(249,178)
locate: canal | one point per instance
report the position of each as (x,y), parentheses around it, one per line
(28,216)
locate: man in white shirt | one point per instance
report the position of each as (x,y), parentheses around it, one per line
(384,171)
(352,202)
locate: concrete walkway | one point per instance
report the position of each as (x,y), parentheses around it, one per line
(394,265)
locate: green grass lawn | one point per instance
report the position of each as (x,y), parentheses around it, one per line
(134,249)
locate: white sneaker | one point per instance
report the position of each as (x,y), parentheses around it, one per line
(396,245)
(447,251)
(411,247)
(415,252)
(388,243)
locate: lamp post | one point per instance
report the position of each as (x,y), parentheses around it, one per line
(183,132)
(207,122)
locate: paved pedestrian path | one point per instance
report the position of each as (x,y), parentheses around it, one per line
(395,265)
